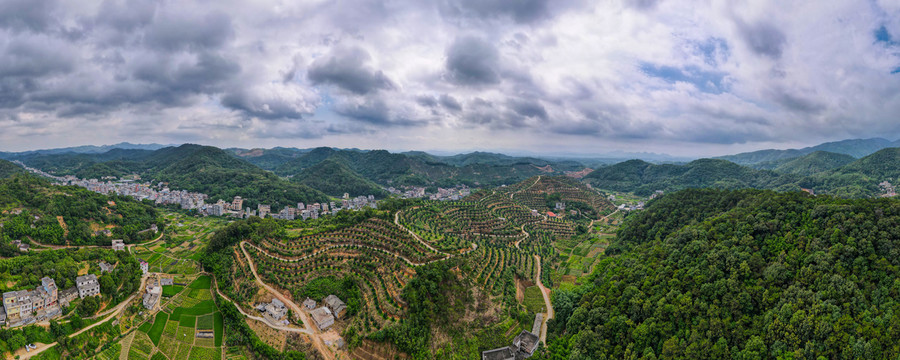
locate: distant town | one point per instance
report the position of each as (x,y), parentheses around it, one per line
(162,195)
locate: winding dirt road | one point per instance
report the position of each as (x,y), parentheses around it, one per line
(317,341)
(546,292)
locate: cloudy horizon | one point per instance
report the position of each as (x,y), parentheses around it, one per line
(532,76)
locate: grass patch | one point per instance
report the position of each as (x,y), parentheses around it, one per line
(202,308)
(218,327)
(202,282)
(185,335)
(159,324)
(202,353)
(171,290)
(534,301)
(159,356)
(205,322)
(187,321)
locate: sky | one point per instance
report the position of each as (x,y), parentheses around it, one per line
(687,78)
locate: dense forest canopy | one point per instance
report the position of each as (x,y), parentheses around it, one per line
(711,274)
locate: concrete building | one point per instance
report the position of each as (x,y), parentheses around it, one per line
(323,318)
(68,295)
(523,347)
(145,267)
(87,285)
(309,304)
(105,267)
(337,307)
(118,245)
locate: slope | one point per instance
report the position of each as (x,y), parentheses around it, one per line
(707,274)
(643,178)
(8,169)
(387,168)
(333,177)
(853,147)
(32,208)
(814,163)
(861,177)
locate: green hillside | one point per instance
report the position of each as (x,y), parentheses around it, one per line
(861,177)
(814,163)
(856,148)
(268,159)
(8,169)
(390,169)
(643,178)
(31,208)
(333,177)
(195,168)
(709,274)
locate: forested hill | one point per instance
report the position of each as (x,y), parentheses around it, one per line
(7,169)
(391,169)
(333,177)
(749,274)
(644,178)
(856,148)
(811,164)
(195,168)
(32,209)
(861,177)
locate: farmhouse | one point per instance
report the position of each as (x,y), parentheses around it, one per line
(323,318)
(522,348)
(309,304)
(336,306)
(87,285)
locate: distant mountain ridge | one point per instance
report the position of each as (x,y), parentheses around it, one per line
(856,148)
(87,149)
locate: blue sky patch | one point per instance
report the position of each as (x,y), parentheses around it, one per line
(883,36)
(705,81)
(712,50)
(896,71)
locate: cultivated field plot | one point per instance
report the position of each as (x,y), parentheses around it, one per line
(174,331)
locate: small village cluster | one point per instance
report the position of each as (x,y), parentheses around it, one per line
(324,316)
(414,192)
(303,211)
(25,307)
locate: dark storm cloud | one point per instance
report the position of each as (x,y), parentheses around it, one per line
(643,4)
(178,32)
(796,102)
(349,69)
(374,111)
(35,15)
(763,38)
(450,103)
(426,101)
(34,57)
(528,108)
(472,61)
(521,11)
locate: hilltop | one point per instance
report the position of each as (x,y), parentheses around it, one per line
(747,274)
(856,148)
(644,178)
(8,169)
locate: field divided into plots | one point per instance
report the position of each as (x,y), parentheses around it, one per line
(189,326)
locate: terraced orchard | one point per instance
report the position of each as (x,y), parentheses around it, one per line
(377,254)
(545,191)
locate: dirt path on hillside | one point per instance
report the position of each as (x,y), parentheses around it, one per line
(115,311)
(307,322)
(546,292)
